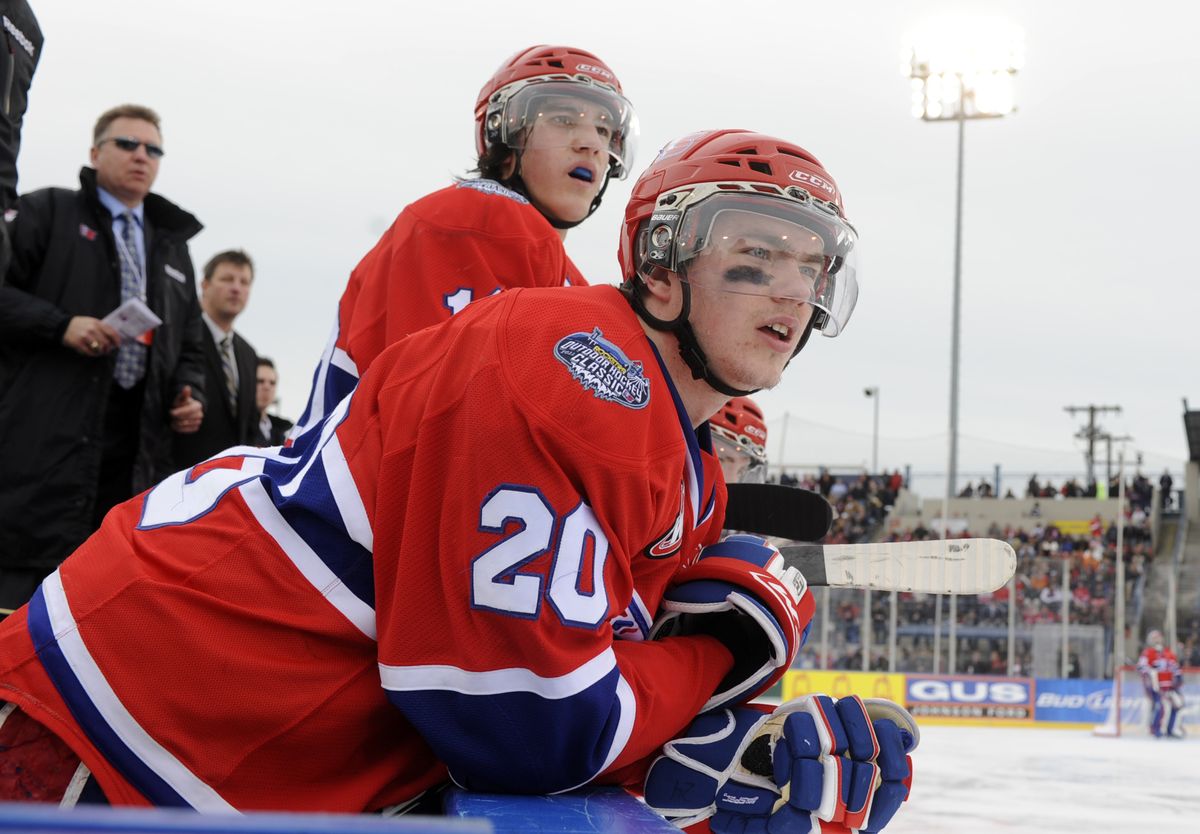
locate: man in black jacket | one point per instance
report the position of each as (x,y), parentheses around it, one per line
(23,37)
(86,416)
(231,418)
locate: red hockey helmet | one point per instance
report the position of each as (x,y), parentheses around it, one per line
(740,175)
(740,434)
(509,101)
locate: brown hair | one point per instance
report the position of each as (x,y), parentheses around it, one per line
(231,256)
(123,111)
(492,161)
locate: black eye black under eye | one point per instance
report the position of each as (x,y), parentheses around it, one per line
(747,274)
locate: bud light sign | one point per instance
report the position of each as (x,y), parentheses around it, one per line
(970,697)
(1077,701)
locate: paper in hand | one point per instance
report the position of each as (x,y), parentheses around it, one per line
(132,319)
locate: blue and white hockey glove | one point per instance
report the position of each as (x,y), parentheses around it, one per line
(682,783)
(816,764)
(739,592)
(821,764)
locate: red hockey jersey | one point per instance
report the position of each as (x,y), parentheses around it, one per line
(455,571)
(450,248)
(1161,665)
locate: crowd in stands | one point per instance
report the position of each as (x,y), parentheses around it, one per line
(1043,552)
(860,502)
(1140,490)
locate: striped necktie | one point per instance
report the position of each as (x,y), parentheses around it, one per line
(131,356)
(227,365)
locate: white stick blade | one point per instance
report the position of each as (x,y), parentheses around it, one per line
(956,566)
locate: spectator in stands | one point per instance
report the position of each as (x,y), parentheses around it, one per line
(1033,490)
(86,416)
(1192,652)
(825,482)
(1165,483)
(1142,493)
(270,429)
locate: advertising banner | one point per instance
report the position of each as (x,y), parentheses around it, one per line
(839,684)
(1078,701)
(971,698)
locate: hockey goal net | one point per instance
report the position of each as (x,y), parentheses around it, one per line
(1129,706)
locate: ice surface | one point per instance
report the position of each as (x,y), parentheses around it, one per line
(980,780)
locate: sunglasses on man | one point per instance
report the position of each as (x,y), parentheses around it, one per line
(129,145)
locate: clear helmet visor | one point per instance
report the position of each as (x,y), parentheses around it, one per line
(741,461)
(576,112)
(760,244)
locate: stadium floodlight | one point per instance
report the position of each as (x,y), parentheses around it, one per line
(960,69)
(964,69)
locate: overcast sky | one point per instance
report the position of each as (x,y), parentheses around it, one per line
(298,130)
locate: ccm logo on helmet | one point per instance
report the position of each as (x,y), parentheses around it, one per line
(756,433)
(594,70)
(812,179)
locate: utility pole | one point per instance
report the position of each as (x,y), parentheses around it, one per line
(1108,440)
(1091,432)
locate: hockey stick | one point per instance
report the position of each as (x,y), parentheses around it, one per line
(778,510)
(954,566)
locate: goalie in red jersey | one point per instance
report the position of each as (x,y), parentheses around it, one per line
(1163,679)
(551,129)
(495,564)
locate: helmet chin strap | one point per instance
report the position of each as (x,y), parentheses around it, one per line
(517,184)
(689,346)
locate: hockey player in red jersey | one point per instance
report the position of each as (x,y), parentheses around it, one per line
(495,563)
(740,441)
(1163,679)
(551,128)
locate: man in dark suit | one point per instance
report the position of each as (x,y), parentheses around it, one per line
(229,362)
(271,430)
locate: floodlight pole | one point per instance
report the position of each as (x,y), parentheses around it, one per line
(1119,642)
(952,471)
(922,71)
(952,466)
(873,393)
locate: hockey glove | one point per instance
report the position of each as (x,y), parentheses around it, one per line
(739,592)
(682,783)
(821,764)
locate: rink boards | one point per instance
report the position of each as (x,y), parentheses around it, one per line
(582,812)
(986,700)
